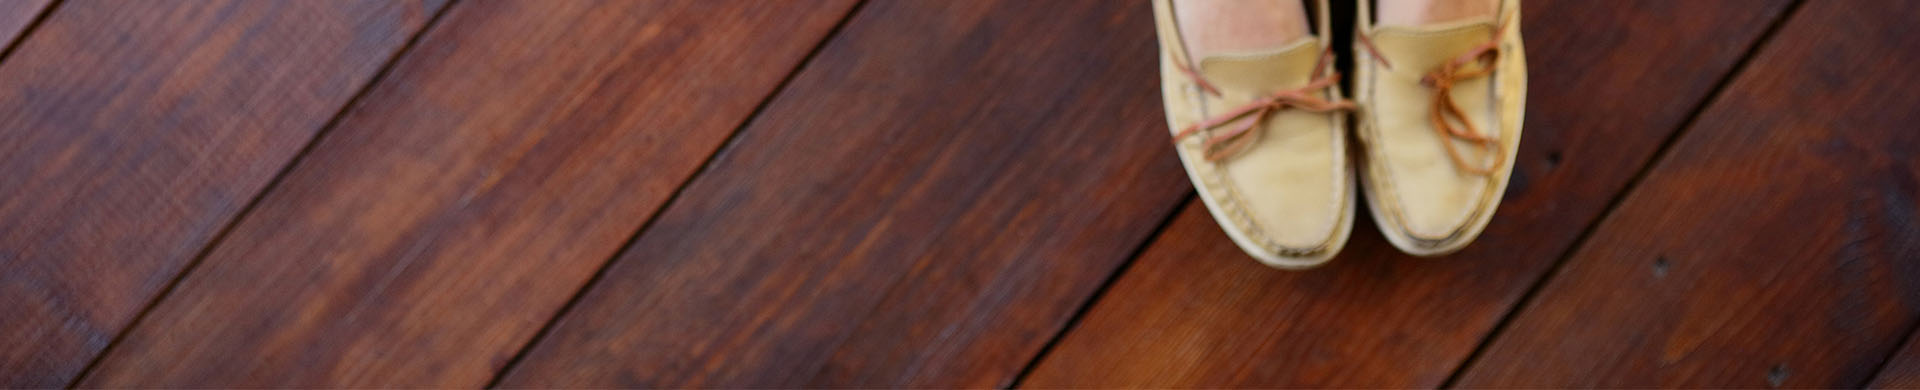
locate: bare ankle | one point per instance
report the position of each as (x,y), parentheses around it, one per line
(1213,27)
(1424,12)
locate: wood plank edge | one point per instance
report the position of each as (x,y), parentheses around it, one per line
(1660,154)
(1878,380)
(599,273)
(1079,312)
(20,37)
(220,236)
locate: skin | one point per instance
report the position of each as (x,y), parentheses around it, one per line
(1214,27)
(1422,12)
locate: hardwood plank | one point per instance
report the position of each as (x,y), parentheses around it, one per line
(14,17)
(1787,251)
(925,206)
(424,241)
(1195,312)
(1903,372)
(132,132)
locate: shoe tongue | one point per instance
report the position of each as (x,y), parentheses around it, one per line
(1265,71)
(1427,46)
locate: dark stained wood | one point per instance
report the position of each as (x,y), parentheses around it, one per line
(1903,372)
(925,206)
(1610,81)
(15,15)
(426,240)
(131,132)
(450,215)
(1776,244)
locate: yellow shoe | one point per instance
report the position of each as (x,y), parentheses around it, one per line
(1263,136)
(1441,120)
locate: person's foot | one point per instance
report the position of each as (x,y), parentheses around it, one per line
(1257,120)
(1424,12)
(1444,86)
(1214,27)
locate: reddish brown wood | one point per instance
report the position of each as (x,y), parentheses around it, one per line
(1776,244)
(132,132)
(1903,372)
(1610,81)
(452,213)
(15,15)
(924,207)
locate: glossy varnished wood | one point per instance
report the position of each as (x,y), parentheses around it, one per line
(1776,244)
(132,132)
(925,206)
(428,237)
(1194,311)
(927,203)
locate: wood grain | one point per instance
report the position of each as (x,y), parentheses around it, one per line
(1195,312)
(1787,251)
(1903,372)
(924,207)
(15,15)
(424,241)
(452,214)
(132,132)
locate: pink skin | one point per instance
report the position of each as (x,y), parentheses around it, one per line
(1214,27)
(1420,12)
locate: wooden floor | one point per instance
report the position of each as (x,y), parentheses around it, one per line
(924,193)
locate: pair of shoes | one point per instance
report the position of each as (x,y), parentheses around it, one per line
(1264,135)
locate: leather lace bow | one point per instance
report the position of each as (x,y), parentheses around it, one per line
(1222,144)
(1477,62)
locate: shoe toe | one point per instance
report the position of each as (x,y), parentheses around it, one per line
(1290,199)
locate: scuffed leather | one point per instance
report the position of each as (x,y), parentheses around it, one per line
(1288,200)
(1423,202)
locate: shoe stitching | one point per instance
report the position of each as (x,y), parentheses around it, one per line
(1243,219)
(1237,211)
(1393,204)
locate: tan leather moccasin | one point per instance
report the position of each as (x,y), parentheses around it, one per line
(1263,137)
(1443,106)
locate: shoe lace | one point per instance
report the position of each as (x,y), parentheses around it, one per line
(1474,63)
(1223,144)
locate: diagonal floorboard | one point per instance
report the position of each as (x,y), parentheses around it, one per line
(907,193)
(1777,244)
(1194,311)
(924,206)
(15,17)
(132,132)
(1902,370)
(451,213)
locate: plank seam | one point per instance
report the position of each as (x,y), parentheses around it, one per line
(732,139)
(1660,154)
(33,24)
(278,177)
(1881,369)
(1099,293)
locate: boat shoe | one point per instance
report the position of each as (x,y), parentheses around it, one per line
(1263,136)
(1441,119)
